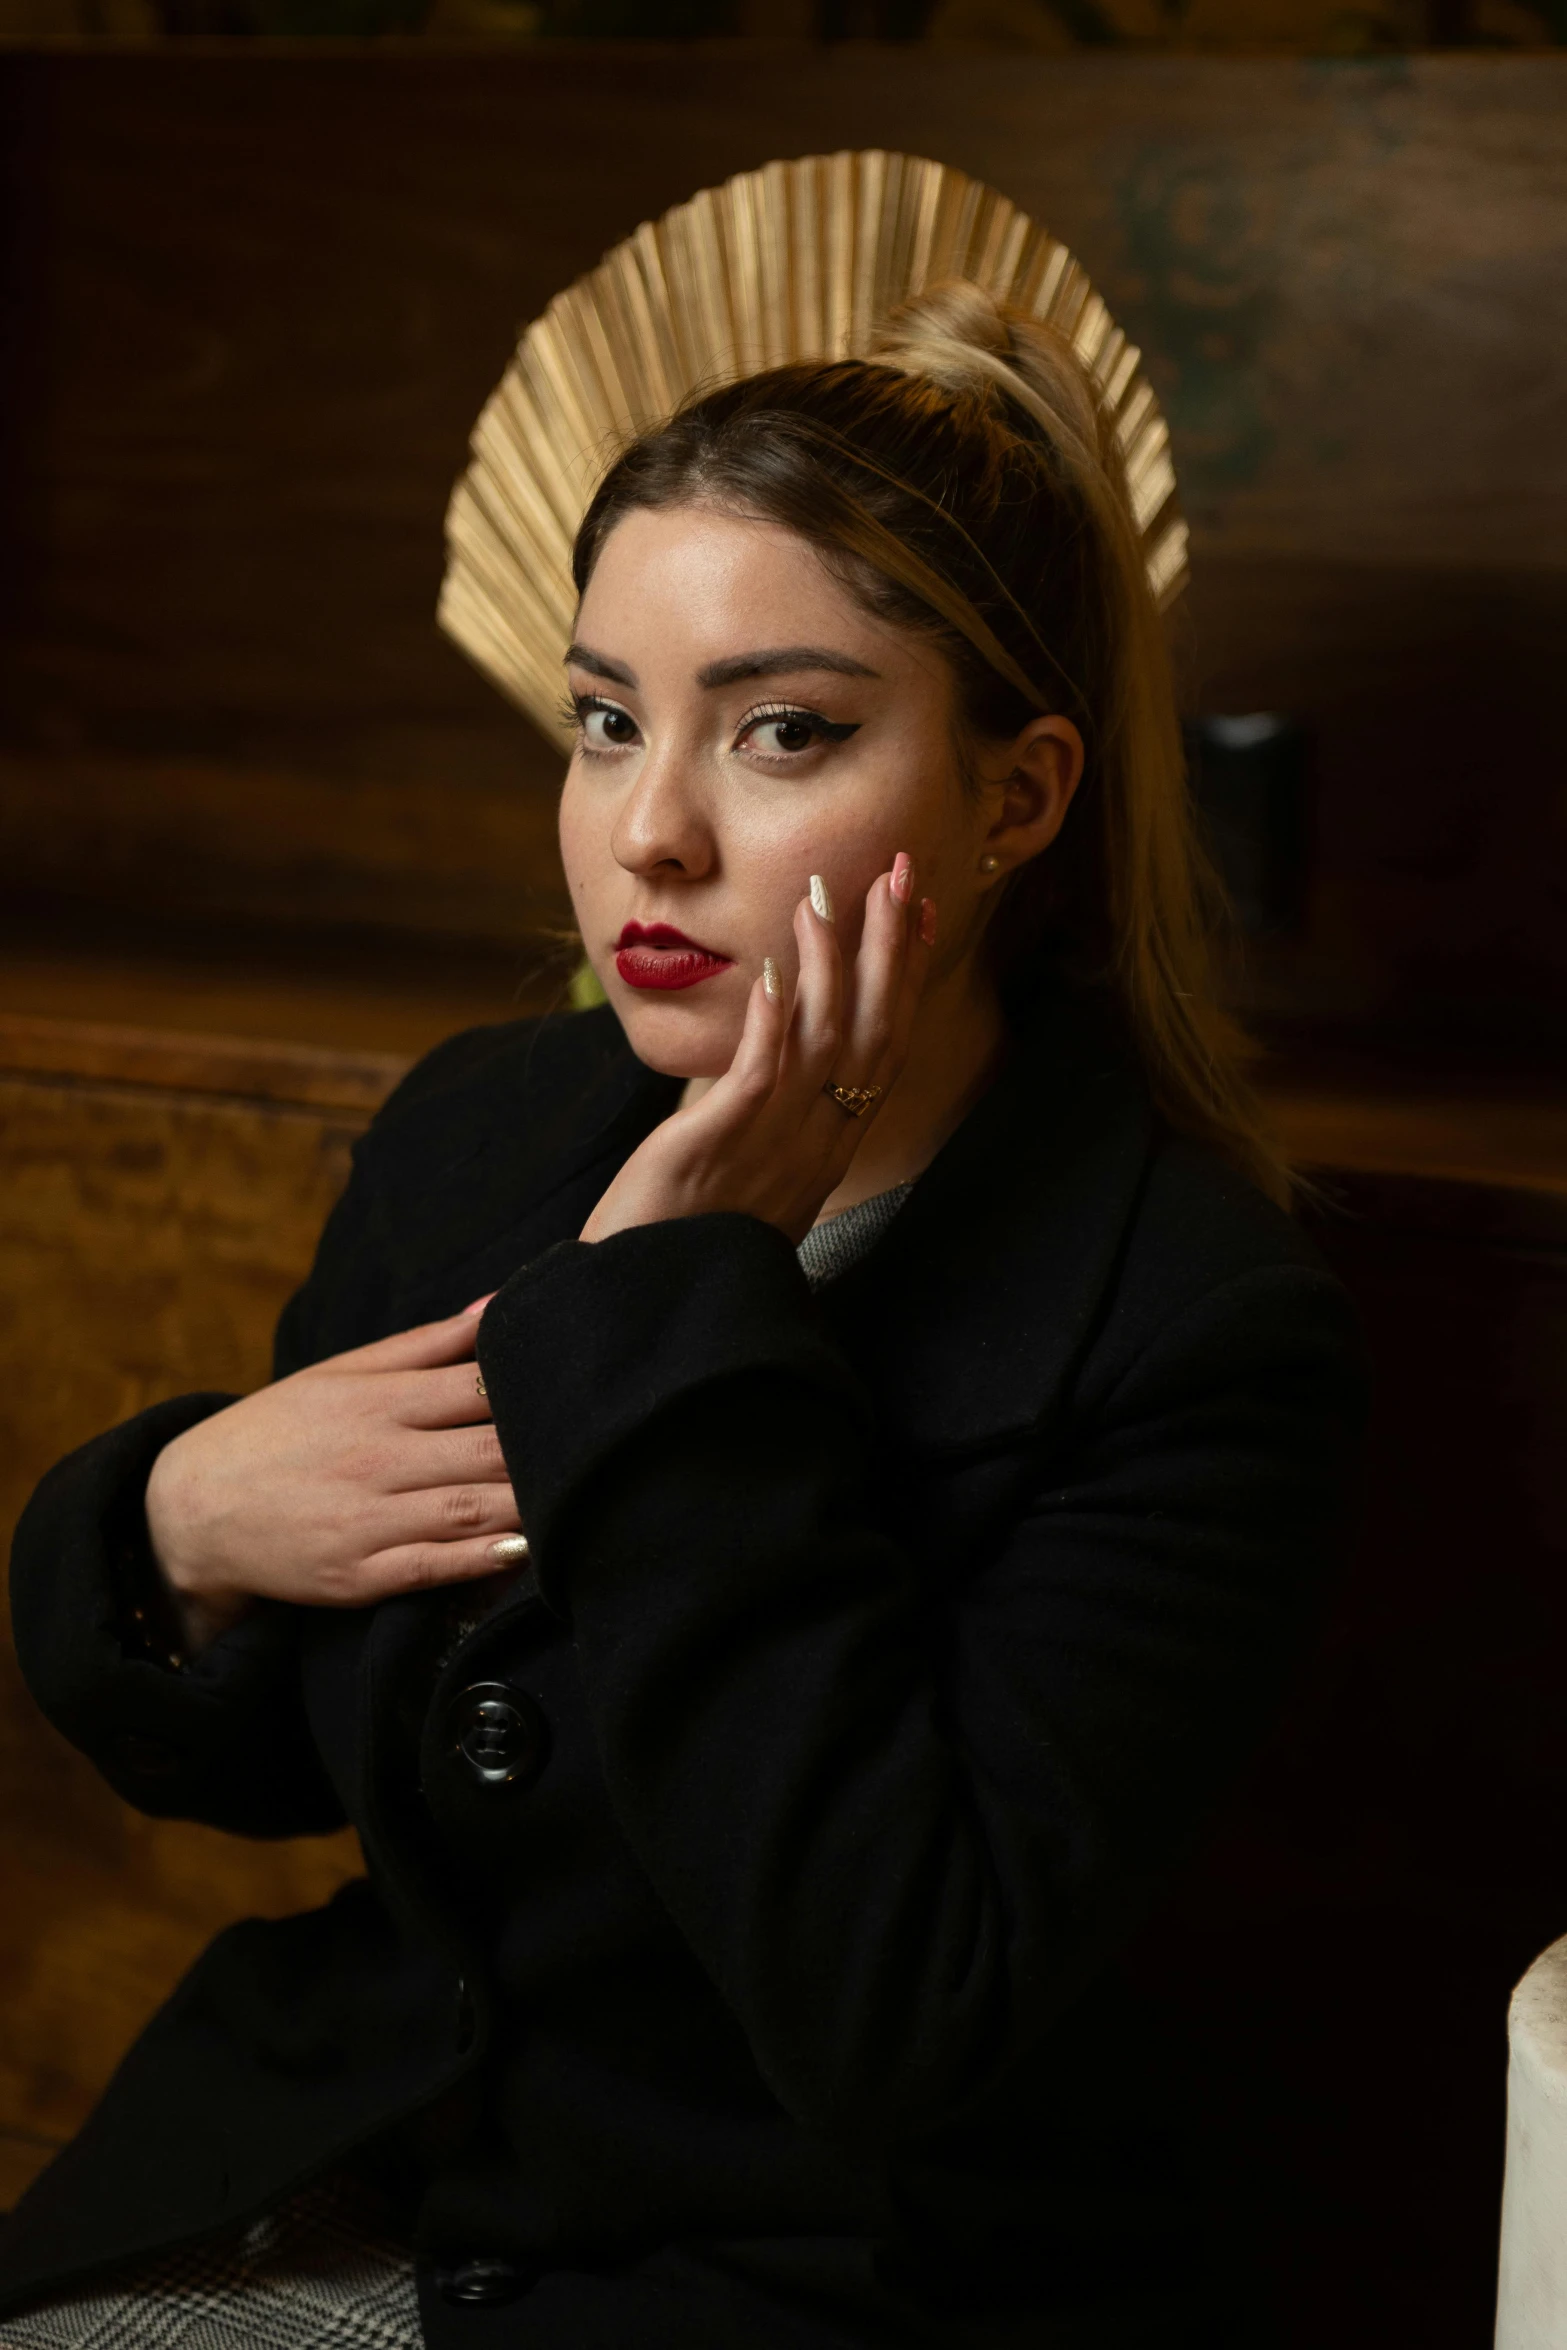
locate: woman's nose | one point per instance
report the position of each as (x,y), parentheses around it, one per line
(662,824)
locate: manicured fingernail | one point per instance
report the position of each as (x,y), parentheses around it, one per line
(510,1551)
(928,921)
(821,899)
(771,986)
(479,1303)
(902,877)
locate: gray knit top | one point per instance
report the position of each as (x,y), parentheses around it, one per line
(831,1248)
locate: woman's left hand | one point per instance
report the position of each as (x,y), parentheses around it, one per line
(767,1139)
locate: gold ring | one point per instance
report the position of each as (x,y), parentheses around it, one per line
(856,1099)
(479,1386)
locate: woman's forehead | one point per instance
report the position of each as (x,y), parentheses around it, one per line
(699,586)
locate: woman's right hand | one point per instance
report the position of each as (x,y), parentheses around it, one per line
(370,1474)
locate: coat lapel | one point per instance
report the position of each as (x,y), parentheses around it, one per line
(491,1166)
(968,1319)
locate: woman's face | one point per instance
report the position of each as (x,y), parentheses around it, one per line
(744,725)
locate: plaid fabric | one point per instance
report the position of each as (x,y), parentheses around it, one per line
(319,2273)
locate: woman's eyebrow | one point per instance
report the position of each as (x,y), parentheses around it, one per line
(781,661)
(599,665)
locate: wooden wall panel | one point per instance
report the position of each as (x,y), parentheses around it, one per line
(148,1239)
(257,299)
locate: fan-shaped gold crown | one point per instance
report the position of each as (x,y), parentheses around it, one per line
(801,260)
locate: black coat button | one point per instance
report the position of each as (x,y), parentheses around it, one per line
(500,1734)
(483,2283)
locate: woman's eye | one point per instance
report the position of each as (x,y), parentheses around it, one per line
(786,733)
(605,727)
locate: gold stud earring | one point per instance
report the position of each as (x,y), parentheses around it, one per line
(989,864)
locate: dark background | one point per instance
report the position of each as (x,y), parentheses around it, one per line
(263,834)
(254,303)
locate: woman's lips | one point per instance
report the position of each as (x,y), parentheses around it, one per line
(652,954)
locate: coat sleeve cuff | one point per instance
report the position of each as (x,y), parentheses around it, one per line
(159,1737)
(591,1342)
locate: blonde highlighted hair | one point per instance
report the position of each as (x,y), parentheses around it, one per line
(965,480)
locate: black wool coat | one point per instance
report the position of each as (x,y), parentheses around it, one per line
(734,1964)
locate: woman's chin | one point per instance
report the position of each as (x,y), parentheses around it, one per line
(675,1035)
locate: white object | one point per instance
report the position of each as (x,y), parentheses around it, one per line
(1531,2302)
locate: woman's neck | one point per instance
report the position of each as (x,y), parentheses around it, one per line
(958,1046)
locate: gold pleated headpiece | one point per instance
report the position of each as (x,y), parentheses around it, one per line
(797,261)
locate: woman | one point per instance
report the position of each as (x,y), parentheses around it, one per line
(929,1433)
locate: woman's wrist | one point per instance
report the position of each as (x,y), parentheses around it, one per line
(196,1611)
(200,1622)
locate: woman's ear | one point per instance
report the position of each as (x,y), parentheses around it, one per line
(1035,780)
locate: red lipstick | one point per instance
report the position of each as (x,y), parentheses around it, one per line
(652,954)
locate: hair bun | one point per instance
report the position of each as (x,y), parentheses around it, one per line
(960,336)
(957,311)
